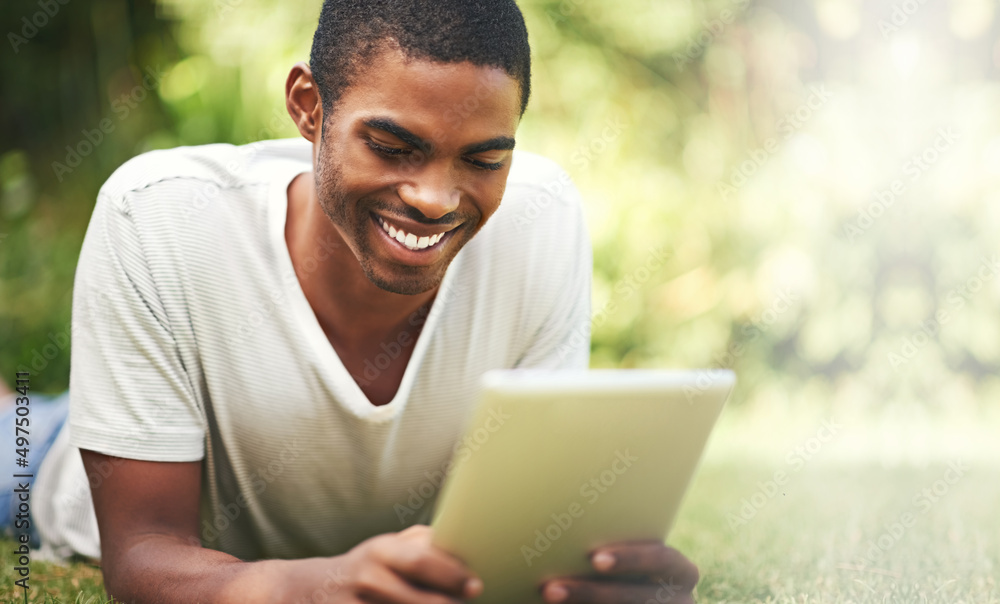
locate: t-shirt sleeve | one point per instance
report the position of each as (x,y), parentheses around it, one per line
(563,342)
(130,395)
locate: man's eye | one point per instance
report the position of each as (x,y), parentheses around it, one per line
(387,151)
(485,165)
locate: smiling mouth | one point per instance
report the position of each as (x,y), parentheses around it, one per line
(411,241)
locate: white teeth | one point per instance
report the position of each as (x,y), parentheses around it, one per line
(409,239)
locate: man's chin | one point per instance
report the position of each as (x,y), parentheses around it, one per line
(392,272)
(407,285)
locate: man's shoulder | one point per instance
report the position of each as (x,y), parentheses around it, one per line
(539,228)
(532,260)
(219,165)
(540,196)
(532,170)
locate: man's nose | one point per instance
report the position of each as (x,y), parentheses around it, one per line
(432,190)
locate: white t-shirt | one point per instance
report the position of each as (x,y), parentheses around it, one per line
(193,340)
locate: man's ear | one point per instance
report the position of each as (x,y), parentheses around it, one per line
(303,102)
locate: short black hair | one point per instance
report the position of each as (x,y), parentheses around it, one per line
(488,33)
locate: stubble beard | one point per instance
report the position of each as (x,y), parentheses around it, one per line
(354,229)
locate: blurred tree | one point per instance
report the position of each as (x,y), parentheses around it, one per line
(77,101)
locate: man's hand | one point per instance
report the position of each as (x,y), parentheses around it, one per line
(396,568)
(638,572)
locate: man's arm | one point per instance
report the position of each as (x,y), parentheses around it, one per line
(147,513)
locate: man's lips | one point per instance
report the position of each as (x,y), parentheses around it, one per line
(414,237)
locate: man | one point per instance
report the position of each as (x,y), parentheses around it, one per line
(274,344)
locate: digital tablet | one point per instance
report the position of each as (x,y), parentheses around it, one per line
(557,463)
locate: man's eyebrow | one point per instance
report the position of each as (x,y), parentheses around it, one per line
(497,143)
(390,126)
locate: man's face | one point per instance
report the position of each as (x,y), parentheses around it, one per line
(413,160)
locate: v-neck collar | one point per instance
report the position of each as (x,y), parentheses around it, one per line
(332,370)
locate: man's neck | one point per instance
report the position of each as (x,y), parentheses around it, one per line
(354,312)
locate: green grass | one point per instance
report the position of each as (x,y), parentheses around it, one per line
(51,583)
(809,542)
(805,545)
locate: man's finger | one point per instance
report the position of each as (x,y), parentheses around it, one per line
(580,591)
(422,564)
(650,558)
(382,585)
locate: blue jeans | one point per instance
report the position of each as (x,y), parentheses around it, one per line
(46,417)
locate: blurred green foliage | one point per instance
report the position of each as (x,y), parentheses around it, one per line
(725,150)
